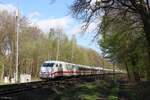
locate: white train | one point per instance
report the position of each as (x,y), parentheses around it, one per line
(53,69)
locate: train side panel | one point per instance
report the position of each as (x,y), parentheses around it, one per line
(53,69)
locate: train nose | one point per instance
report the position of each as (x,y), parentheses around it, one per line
(44,72)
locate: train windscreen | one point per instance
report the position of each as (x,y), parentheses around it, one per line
(48,64)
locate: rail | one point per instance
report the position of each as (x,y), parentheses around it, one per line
(20,87)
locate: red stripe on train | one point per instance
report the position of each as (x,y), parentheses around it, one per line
(60,73)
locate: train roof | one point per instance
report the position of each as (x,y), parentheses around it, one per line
(53,61)
(83,66)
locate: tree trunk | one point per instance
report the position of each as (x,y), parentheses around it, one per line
(147,33)
(127,69)
(145,17)
(135,68)
(136,76)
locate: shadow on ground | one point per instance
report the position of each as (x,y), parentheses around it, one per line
(96,90)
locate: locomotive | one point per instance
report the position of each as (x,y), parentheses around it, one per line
(54,69)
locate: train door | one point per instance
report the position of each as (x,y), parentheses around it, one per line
(60,69)
(75,70)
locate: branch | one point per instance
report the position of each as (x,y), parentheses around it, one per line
(147,2)
(133,2)
(126,5)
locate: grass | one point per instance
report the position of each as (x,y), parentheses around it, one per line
(114,93)
(83,90)
(2,82)
(87,91)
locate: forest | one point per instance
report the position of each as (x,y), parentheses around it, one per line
(35,46)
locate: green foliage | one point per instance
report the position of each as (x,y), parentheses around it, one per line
(86,91)
(112,98)
(125,46)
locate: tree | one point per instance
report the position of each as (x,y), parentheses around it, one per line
(35,47)
(124,46)
(138,11)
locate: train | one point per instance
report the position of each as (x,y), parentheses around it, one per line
(55,69)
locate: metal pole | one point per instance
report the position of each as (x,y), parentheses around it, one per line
(103,67)
(57,55)
(72,53)
(17,36)
(3,70)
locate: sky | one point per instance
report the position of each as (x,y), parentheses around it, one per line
(45,15)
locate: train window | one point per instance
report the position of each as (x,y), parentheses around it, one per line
(76,67)
(56,65)
(48,64)
(60,65)
(69,66)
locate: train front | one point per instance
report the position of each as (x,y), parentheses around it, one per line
(46,69)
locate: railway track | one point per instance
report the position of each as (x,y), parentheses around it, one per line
(21,87)
(14,88)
